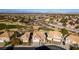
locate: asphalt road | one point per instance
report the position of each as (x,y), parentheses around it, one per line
(48,47)
(57,26)
(61,27)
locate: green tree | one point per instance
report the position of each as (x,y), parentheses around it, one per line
(64,21)
(64,31)
(77,27)
(65,34)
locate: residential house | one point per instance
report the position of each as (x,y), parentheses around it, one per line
(5,36)
(55,36)
(25,37)
(72,39)
(39,37)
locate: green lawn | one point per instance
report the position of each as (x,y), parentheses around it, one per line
(77,27)
(4,26)
(1,43)
(46,29)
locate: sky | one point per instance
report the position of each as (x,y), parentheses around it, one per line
(39,11)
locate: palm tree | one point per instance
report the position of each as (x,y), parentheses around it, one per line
(16,41)
(31,35)
(65,34)
(30,38)
(64,38)
(46,35)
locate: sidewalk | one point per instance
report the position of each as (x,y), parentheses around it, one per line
(36,44)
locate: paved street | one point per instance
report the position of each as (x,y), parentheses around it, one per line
(57,26)
(51,47)
(70,29)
